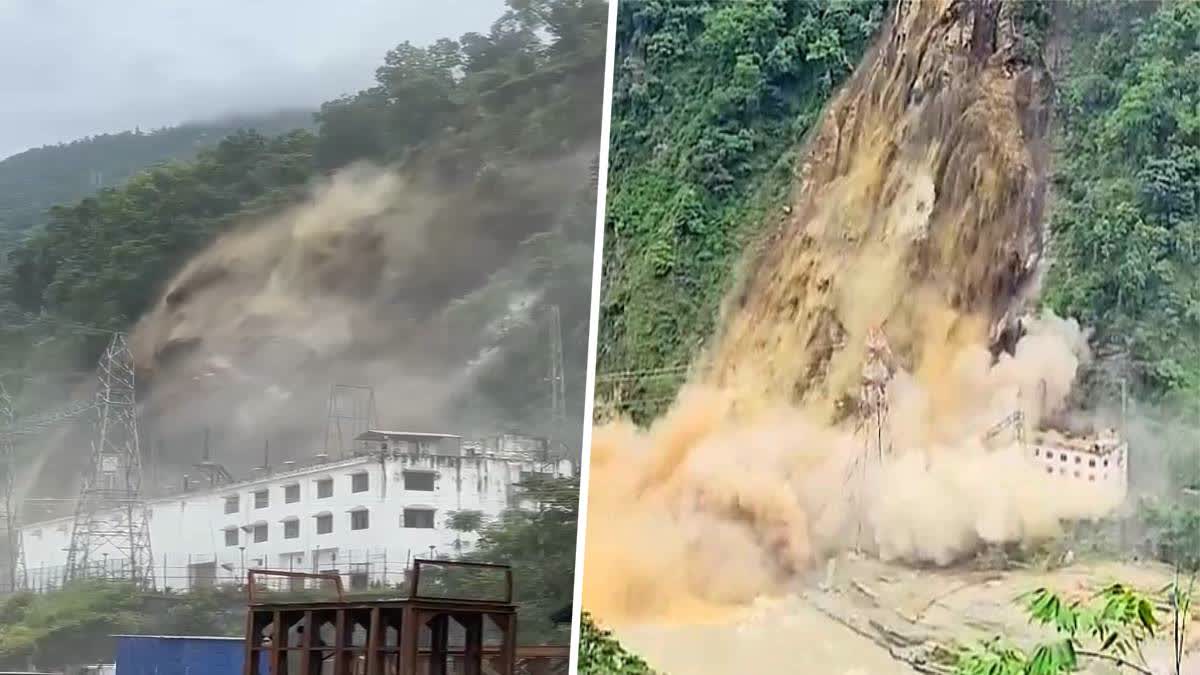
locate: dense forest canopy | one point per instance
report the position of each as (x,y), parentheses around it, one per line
(711,100)
(1125,224)
(466,112)
(33,181)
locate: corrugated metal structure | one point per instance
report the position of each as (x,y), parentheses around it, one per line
(179,655)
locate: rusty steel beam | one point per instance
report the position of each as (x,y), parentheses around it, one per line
(328,576)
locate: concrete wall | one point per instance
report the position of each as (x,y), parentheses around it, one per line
(1108,470)
(188,531)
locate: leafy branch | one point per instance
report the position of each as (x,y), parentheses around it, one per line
(1112,625)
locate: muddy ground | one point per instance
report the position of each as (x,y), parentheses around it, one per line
(865,617)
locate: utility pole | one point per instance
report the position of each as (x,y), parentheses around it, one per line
(111,517)
(8,505)
(558,395)
(1124,406)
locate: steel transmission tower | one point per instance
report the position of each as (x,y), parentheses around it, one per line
(15,564)
(111,518)
(873,423)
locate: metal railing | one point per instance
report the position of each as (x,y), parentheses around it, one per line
(359,570)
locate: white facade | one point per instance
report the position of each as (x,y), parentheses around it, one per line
(1102,460)
(364,517)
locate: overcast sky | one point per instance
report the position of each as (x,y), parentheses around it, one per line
(72,68)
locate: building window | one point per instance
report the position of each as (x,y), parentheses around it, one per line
(1078,459)
(1049,469)
(262,499)
(419,480)
(324,488)
(291,529)
(418,518)
(231,504)
(325,523)
(260,533)
(231,537)
(291,494)
(359,482)
(1063,456)
(1037,453)
(528,476)
(360,519)
(1091,462)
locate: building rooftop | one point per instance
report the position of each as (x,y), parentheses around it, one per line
(1099,444)
(382,435)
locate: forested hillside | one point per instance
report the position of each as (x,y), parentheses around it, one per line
(466,112)
(33,181)
(1125,222)
(711,101)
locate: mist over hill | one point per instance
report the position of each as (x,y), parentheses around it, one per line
(431,236)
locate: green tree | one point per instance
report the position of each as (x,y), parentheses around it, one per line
(464,522)
(465,115)
(537,538)
(1111,626)
(74,624)
(34,180)
(1125,229)
(601,654)
(709,100)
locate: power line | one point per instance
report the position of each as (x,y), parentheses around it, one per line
(30,320)
(638,374)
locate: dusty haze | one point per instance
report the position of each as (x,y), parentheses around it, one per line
(433,293)
(363,283)
(918,209)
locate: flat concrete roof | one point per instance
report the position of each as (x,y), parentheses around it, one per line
(379,435)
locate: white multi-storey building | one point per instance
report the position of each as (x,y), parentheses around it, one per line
(1100,460)
(365,516)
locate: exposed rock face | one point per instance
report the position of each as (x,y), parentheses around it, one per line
(917,215)
(918,207)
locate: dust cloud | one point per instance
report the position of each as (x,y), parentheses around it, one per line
(918,211)
(377,278)
(710,508)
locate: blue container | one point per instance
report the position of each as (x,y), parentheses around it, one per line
(179,655)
